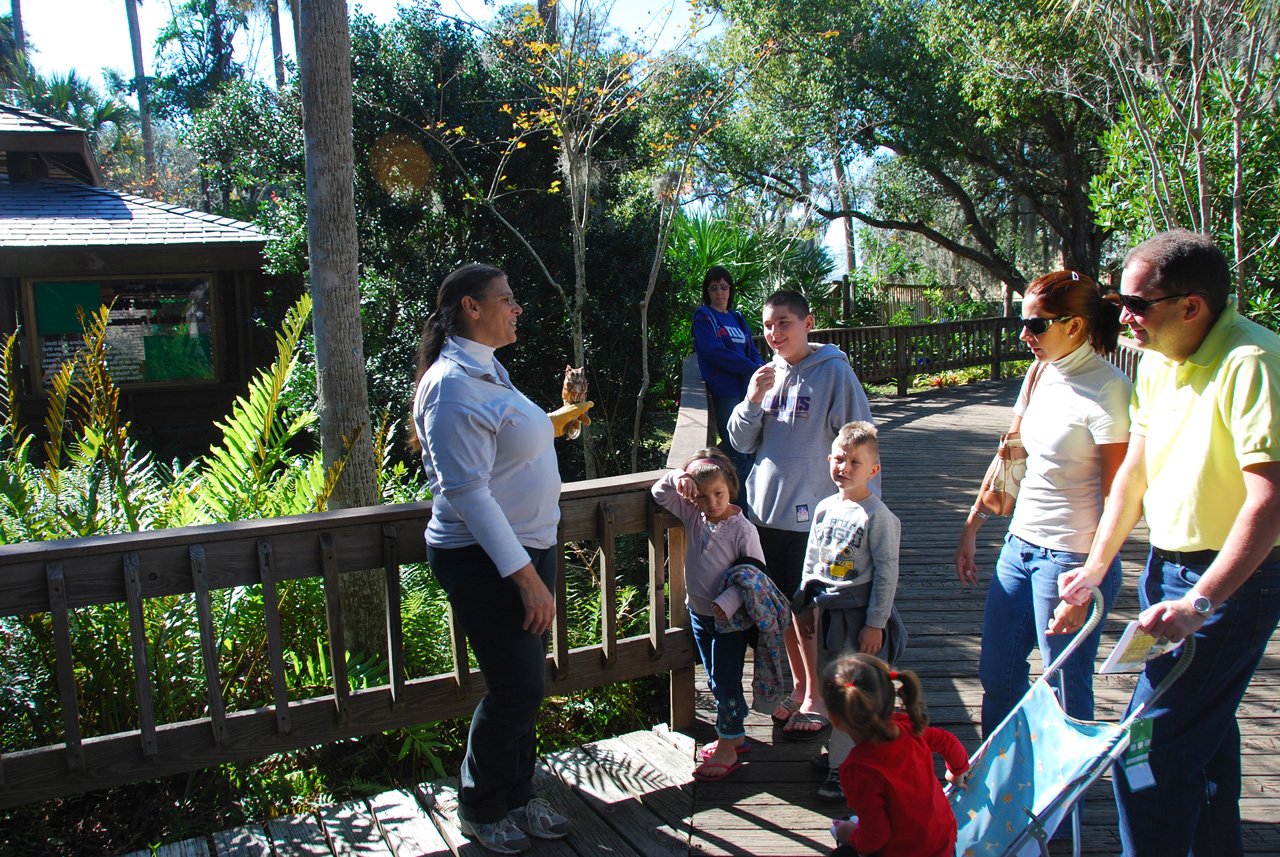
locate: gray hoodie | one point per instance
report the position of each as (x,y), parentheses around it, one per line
(791,432)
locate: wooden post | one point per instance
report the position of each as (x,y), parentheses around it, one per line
(657,579)
(997,343)
(208,644)
(900,359)
(608,589)
(684,717)
(275,641)
(560,629)
(141,664)
(395,624)
(337,640)
(64,666)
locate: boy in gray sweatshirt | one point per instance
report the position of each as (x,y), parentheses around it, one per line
(795,405)
(851,571)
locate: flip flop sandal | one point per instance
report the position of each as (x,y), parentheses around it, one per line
(788,705)
(710,772)
(743,749)
(793,734)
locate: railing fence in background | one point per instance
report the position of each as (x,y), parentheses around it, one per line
(55,579)
(59,578)
(898,353)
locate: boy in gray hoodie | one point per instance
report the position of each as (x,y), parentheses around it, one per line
(796,404)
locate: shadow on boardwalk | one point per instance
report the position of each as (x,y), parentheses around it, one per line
(632,795)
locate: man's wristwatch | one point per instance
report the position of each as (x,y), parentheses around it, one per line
(1200,603)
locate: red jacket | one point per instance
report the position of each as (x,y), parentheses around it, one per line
(893,790)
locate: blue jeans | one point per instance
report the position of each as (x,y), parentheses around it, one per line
(742,461)
(497,772)
(1020,603)
(722,655)
(1194,806)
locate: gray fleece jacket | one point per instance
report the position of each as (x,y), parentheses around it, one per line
(791,432)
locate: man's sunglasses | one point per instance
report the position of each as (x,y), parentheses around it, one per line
(1037,326)
(1139,306)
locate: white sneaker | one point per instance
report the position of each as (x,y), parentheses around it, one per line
(500,837)
(537,818)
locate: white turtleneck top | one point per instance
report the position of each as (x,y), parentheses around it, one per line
(1080,402)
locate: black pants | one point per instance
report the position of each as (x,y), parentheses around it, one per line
(784,557)
(497,773)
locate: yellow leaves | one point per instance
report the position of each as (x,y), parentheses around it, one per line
(506,108)
(555,187)
(829,34)
(521,145)
(510,43)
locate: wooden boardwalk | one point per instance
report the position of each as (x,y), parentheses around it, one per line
(632,795)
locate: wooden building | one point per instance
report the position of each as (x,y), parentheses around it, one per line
(183,287)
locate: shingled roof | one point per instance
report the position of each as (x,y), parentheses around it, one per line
(31,144)
(44,213)
(16,119)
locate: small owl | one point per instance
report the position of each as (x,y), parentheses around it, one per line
(574,392)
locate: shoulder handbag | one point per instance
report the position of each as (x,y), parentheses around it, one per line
(999,490)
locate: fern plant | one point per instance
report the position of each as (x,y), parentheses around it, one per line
(254,473)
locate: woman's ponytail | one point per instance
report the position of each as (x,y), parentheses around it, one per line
(468,281)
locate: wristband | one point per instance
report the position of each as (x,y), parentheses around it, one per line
(981,514)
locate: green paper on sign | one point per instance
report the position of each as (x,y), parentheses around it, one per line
(56,306)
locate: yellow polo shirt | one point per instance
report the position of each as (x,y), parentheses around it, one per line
(1204,420)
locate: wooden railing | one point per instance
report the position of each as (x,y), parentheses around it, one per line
(59,578)
(1126,357)
(880,354)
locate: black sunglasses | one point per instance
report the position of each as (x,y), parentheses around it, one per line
(1037,326)
(1139,306)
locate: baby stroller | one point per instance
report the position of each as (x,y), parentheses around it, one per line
(1038,763)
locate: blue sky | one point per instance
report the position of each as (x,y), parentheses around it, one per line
(89,35)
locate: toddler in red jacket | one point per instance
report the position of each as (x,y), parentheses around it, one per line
(888,779)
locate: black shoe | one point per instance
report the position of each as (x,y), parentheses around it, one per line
(821,761)
(830,790)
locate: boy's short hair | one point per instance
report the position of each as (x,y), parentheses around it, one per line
(858,433)
(789,299)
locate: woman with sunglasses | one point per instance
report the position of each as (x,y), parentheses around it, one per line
(1073,415)
(727,358)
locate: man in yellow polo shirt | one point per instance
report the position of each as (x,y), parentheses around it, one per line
(1204,464)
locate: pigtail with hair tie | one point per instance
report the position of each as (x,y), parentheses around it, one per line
(893,675)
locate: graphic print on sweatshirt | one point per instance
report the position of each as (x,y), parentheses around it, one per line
(838,537)
(733,334)
(787,403)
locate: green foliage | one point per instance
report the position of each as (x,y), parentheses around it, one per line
(254,473)
(1147,141)
(969,99)
(762,260)
(196,55)
(249,142)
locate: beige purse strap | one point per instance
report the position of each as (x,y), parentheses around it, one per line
(1037,369)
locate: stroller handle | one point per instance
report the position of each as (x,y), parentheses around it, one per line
(1095,618)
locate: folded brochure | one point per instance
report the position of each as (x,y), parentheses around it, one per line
(1134,649)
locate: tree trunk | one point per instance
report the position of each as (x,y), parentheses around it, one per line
(19,37)
(295,14)
(277,43)
(842,188)
(547,12)
(140,82)
(345,430)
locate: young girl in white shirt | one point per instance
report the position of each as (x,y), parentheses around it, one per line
(717,533)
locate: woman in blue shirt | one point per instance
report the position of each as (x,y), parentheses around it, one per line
(727,357)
